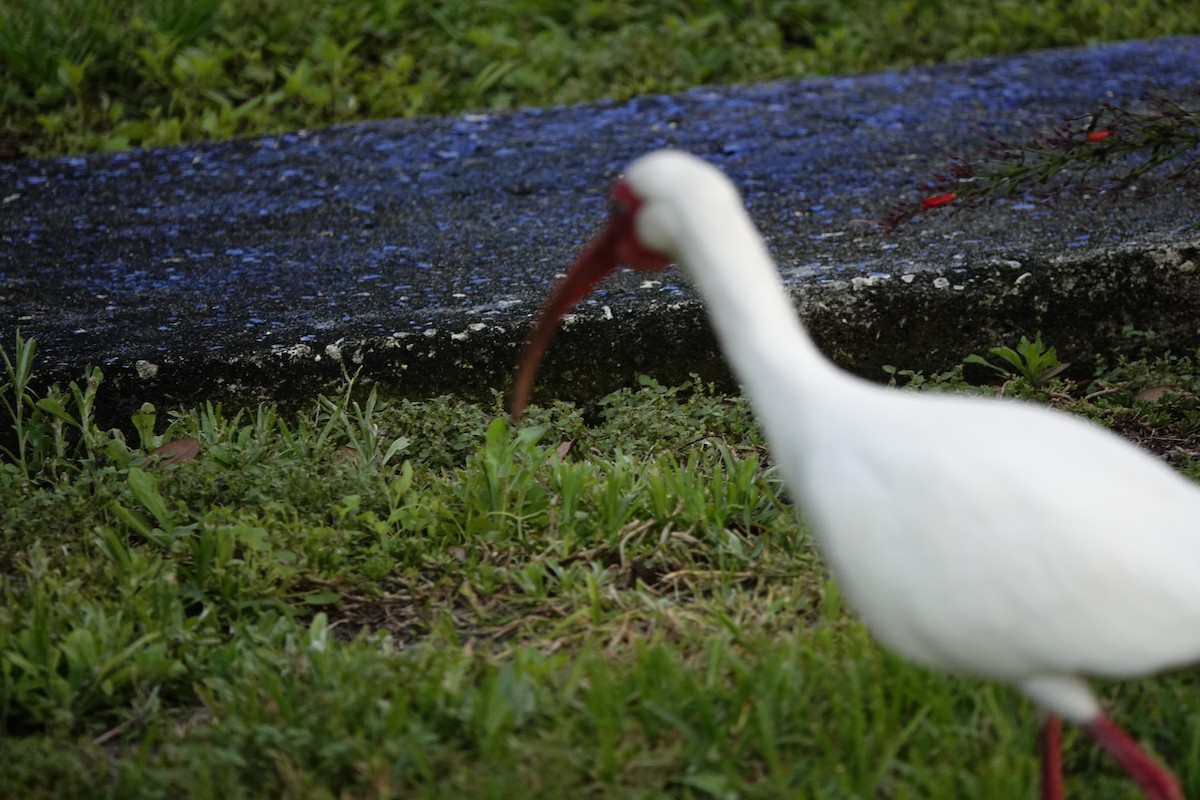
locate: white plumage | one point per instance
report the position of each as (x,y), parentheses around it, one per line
(978,536)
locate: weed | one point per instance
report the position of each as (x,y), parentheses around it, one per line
(1117,145)
(1032,361)
(55,431)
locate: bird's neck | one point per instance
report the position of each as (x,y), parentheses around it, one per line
(786,377)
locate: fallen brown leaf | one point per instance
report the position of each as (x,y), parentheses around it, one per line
(564,447)
(176,451)
(1152,394)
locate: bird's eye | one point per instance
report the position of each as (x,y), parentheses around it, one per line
(622,202)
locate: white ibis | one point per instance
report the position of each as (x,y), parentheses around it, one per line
(983,537)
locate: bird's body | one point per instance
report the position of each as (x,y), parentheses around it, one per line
(1012,552)
(978,536)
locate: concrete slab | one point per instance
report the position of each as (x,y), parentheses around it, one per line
(419,250)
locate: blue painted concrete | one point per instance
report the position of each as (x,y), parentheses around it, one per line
(423,247)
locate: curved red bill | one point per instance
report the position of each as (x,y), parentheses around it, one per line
(597,261)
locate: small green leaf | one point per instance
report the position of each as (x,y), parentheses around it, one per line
(144,486)
(974,358)
(71,75)
(79,646)
(400,443)
(323,597)
(497,435)
(143,421)
(1011,356)
(131,518)
(712,784)
(51,406)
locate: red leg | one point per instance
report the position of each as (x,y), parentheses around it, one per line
(1051,747)
(1155,780)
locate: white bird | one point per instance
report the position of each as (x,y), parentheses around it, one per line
(982,537)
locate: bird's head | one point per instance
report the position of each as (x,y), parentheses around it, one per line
(643,232)
(661,197)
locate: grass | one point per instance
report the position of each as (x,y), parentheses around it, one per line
(421,600)
(79,75)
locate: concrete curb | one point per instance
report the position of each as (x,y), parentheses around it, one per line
(418,250)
